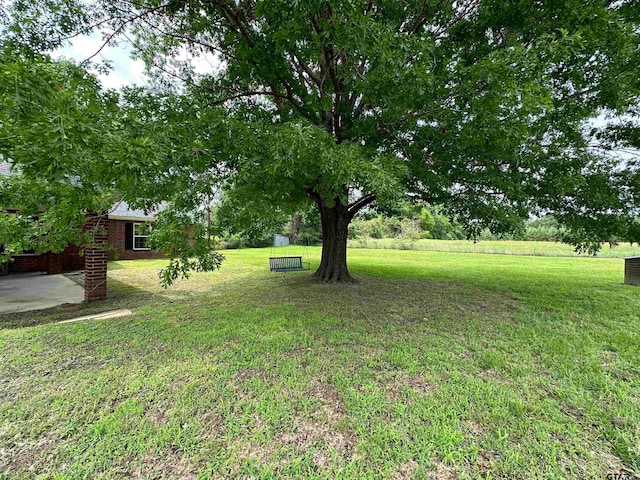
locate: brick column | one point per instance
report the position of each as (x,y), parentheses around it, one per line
(95,259)
(54,263)
(632,271)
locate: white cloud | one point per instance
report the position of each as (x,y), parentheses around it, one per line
(125,71)
(205,63)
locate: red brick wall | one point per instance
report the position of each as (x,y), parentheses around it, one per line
(116,240)
(29,263)
(69,259)
(72,259)
(55,264)
(95,260)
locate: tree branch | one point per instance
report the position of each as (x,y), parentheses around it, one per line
(312,194)
(359,204)
(121,29)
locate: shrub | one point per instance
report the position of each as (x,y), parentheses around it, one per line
(356,229)
(409,229)
(375,227)
(426,221)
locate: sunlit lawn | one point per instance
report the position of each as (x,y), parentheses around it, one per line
(440,365)
(501,247)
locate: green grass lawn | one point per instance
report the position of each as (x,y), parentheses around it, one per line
(501,247)
(433,365)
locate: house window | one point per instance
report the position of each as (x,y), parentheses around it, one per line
(140,232)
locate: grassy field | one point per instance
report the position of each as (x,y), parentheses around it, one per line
(434,365)
(500,247)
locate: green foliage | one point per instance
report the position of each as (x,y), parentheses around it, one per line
(480,107)
(545,229)
(427,222)
(310,230)
(432,224)
(187,242)
(442,228)
(420,223)
(77,148)
(55,124)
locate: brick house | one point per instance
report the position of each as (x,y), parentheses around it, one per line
(126,235)
(126,240)
(120,233)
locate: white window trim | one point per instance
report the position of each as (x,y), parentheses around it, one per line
(133,232)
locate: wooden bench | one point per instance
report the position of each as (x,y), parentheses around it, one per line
(288,264)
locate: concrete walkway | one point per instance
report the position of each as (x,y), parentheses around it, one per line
(22,293)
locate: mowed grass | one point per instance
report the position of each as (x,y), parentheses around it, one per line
(500,247)
(434,365)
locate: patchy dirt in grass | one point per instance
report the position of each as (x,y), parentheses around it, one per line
(321,428)
(212,419)
(213,426)
(475,428)
(610,465)
(249,373)
(179,383)
(321,458)
(394,388)
(486,460)
(309,432)
(615,465)
(318,434)
(405,471)
(331,404)
(263,454)
(157,417)
(442,472)
(165,464)
(418,383)
(11,386)
(29,455)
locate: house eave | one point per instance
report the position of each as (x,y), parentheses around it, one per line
(131,219)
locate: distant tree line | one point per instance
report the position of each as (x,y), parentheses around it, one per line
(405,221)
(428,222)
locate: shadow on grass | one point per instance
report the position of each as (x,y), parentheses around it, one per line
(121,295)
(373,300)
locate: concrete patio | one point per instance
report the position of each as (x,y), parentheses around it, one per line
(25,292)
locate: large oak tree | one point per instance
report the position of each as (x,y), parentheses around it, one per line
(486,107)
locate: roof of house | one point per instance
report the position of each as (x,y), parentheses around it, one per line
(122,211)
(5,169)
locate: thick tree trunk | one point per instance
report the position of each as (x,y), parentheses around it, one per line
(335,222)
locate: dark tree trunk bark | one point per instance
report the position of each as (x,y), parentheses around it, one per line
(335,222)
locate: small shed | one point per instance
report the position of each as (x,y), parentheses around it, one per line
(280,241)
(632,271)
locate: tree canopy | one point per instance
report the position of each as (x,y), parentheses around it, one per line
(494,109)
